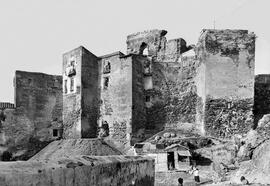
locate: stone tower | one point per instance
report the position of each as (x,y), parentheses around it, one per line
(228,60)
(80,94)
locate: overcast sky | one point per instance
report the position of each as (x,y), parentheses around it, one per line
(35,33)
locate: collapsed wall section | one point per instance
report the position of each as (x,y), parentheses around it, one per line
(228,56)
(174,98)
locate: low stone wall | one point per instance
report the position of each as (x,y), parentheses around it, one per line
(80,171)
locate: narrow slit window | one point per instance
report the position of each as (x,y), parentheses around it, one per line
(55,132)
(65,86)
(147,98)
(71,84)
(106,82)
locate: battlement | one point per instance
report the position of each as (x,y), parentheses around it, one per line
(6,105)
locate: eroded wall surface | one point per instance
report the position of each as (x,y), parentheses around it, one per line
(171,80)
(116,97)
(228,56)
(261,96)
(38,100)
(80,171)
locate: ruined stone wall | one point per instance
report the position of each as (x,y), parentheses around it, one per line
(116,97)
(80,171)
(172,82)
(157,46)
(174,97)
(261,96)
(228,56)
(38,111)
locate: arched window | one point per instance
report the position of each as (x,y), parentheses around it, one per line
(144,49)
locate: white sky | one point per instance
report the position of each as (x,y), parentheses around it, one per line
(35,33)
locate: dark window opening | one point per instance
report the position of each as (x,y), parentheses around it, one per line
(183,158)
(71,84)
(55,132)
(106,82)
(65,86)
(72,63)
(106,68)
(171,163)
(147,98)
(30,81)
(143,49)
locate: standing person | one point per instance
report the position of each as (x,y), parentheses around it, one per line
(195,171)
(196,175)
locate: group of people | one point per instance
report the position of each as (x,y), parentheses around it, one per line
(195,171)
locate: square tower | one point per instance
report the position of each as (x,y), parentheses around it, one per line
(80,94)
(229,59)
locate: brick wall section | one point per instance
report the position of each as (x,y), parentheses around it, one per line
(228,56)
(80,171)
(261,96)
(116,98)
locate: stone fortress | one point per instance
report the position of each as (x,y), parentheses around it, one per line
(161,84)
(208,89)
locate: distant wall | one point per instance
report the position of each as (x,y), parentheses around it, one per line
(261,96)
(80,171)
(228,56)
(38,111)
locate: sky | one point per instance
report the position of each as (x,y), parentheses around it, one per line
(35,33)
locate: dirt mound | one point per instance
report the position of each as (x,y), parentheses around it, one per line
(75,147)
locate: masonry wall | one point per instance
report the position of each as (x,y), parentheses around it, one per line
(80,171)
(138,98)
(173,83)
(116,98)
(174,95)
(90,94)
(261,96)
(29,126)
(228,56)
